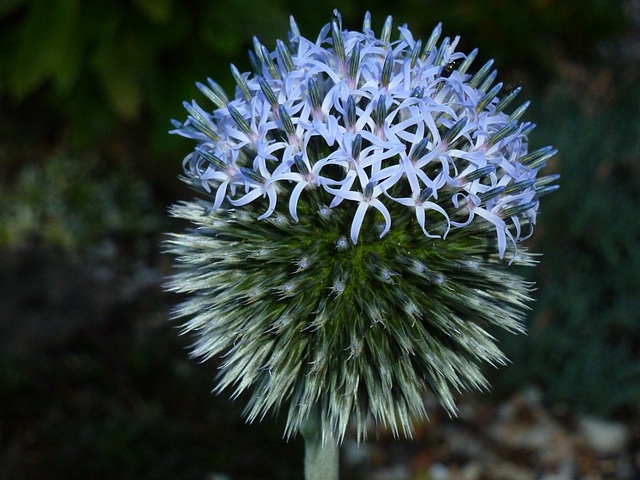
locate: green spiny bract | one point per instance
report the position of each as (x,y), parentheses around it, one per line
(308,320)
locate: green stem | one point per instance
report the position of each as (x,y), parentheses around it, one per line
(321,459)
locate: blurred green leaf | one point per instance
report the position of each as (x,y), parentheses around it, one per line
(71,203)
(7,7)
(157,11)
(46,50)
(119,63)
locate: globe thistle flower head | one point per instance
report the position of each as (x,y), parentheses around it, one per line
(362,199)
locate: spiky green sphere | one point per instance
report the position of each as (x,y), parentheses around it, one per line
(319,304)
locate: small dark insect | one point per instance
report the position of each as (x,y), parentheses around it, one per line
(448,69)
(510,87)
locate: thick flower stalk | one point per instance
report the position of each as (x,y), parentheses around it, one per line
(363,199)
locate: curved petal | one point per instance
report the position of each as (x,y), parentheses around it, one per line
(357,221)
(344,192)
(456,203)
(412,177)
(388,177)
(501,229)
(293,176)
(222,189)
(385,213)
(409,202)
(293,199)
(516,223)
(248,198)
(420,217)
(427,182)
(439,209)
(273,198)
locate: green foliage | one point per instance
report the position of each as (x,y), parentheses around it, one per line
(52,24)
(68,203)
(586,330)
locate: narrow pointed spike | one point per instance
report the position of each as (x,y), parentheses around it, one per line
(387,69)
(200,123)
(191,128)
(479,173)
(441,51)
(520,186)
(419,150)
(506,100)
(356,146)
(351,112)
(218,90)
(431,42)
(494,192)
(540,191)
(381,111)
(198,127)
(211,95)
(488,81)
(537,158)
(527,128)
(286,120)
(515,210)
(366,23)
(354,62)
(547,179)
(337,18)
(242,83)
(314,95)
(415,53)
(268,92)
(466,63)
(338,44)
(386,30)
(211,158)
(295,31)
(251,174)
(482,104)
(239,119)
(268,61)
(257,47)
(256,64)
(515,116)
(300,165)
(285,56)
(503,133)
(451,133)
(478,77)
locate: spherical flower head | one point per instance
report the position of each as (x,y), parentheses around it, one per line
(364,198)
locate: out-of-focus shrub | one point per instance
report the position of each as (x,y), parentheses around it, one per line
(71,204)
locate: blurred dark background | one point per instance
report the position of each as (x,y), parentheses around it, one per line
(95,381)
